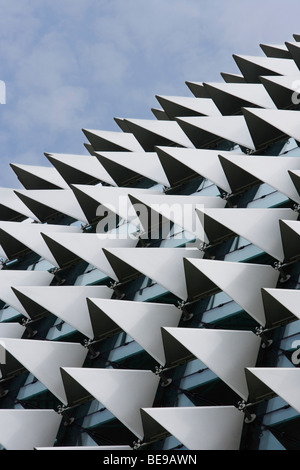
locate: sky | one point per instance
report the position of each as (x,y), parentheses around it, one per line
(73,64)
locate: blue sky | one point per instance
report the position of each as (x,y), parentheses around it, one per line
(73,64)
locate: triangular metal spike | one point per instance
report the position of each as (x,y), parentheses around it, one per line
(12,208)
(68,248)
(197,89)
(44,359)
(222,224)
(281,306)
(177,106)
(142,321)
(69,303)
(231,97)
(284,90)
(17,239)
(110,141)
(122,392)
(182,164)
(253,67)
(279,51)
(208,131)
(177,209)
(225,352)
(80,169)
(294,51)
(96,201)
(266,382)
(38,177)
(197,428)
(268,125)
(150,133)
(127,168)
(9,279)
(243,171)
(163,265)
(46,204)
(290,234)
(25,429)
(232,78)
(205,277)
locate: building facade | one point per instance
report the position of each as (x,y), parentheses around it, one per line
(150,288)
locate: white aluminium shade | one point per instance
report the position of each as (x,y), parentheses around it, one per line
(242,170)
(68,248)
(124,392)
(44,359)
(125,167)
(182,163)
(11,330)
(197,428)
(163,265)
(225,352)
(206,131)
(66,302)
(79,168)
(290,234)
(281,305)
(9,279)
(176,106)
(39,177)
(110,141)
(265,382)
(9,200)
(252,67)
(45,203)
(205,277)
(16,237)
(141,320)
(26,429)
(259,226)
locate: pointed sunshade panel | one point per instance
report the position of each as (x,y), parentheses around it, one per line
(206,277)
(294,51)
(231,97)
(141,320)
(259,226)
(79,169)
(179,210)
(290,234)
(267,125)
(278,51)
(96,201)
(197,428)
(184,164)
(110,141)
(253,67)
(295,177)
(127,168)
(122,392)
(246,171)
(151,133)
(65,302)
(39,177)
(281,306)
(69,248)
(46,203)
(197,89)
(17,239)
(208,131)
(163,265)
(26,429)
(266,382)
(9,279)
(225,352)
(282,89)
(12,208)
(44,360)
(176,106)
